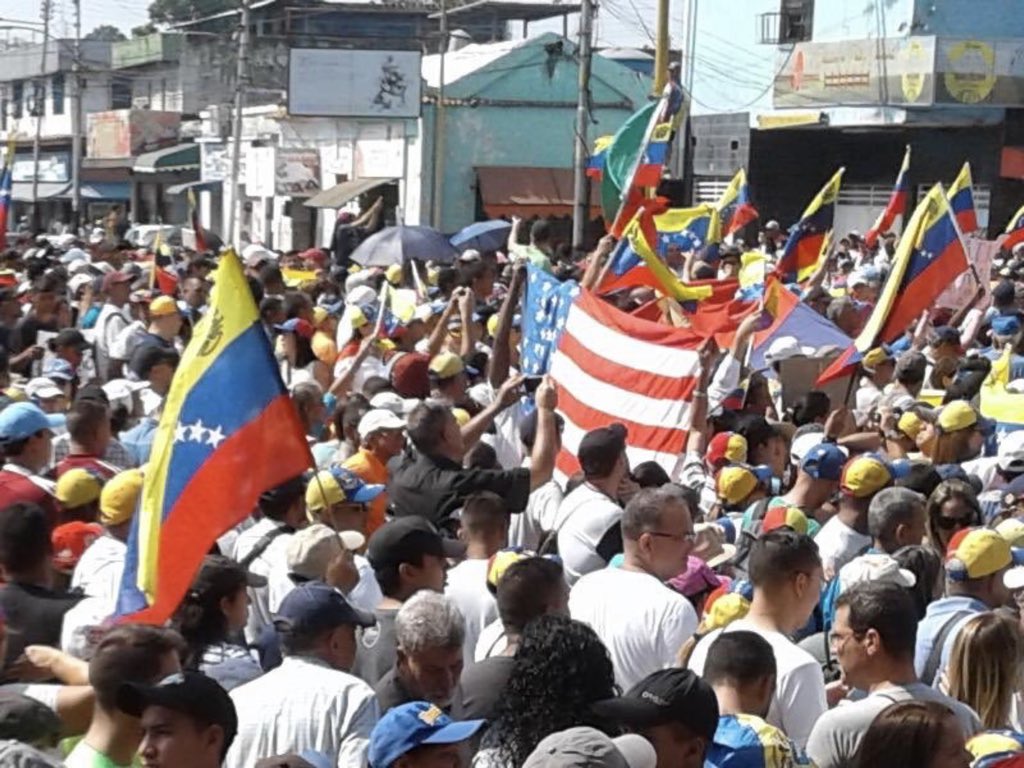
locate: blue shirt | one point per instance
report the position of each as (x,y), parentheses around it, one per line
(138,440)
(746,741)
(936,617)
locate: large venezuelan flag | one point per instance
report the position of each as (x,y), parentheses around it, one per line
(897,205)
(807,237)
(928,258)
(961,198)
(228,432)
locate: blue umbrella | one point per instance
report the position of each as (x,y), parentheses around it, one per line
(483,235)
(396,245)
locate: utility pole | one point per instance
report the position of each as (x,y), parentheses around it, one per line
(76,124)
(437,188)
(661,49)
(39,107)
(241,74)
(580,198)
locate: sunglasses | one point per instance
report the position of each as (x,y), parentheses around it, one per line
(949,523)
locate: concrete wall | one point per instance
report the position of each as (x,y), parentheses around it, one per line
(961,18)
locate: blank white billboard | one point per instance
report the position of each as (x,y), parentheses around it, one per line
(339,83)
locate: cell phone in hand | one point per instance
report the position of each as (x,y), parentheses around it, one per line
(530,383)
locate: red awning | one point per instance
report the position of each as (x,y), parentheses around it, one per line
(528,192)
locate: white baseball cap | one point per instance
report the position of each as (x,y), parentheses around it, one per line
(42,388)
(785,347)
(393,402)
(311,549)
(377,419)
(875,567)
(1010,457)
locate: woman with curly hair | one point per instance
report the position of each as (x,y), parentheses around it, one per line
(560,670)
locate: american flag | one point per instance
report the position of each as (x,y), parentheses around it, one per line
(545,309)
(613,367)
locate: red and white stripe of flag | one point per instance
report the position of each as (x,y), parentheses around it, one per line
(613,367)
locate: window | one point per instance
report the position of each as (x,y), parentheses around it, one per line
(120,93)
(37,102)
(792,23)
(57,93)
(17,99)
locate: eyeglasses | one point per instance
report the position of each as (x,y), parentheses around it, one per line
(949,523)
(688,536)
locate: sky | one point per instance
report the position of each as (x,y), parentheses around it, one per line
(620,23)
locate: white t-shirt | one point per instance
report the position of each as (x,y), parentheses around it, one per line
(492,641)
(365,594)
(467,586)
(526,529)
(98,572)
(584,517)
(642,622)
(799,698)
(272,558)
(838,544)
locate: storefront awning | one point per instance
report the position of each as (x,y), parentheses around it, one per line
(100,190)
(340,194)
(528,192)
(196,186)
(180,157)
(21,191)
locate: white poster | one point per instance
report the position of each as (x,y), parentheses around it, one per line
(343,83)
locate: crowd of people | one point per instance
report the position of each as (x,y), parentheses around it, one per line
(816,582)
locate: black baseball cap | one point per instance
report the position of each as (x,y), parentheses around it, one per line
(220,576)
(69,337)
(600,448)
(666,696)
(191,693)
(407,540)
(27,720)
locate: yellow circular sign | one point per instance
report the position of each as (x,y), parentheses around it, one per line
(970,76)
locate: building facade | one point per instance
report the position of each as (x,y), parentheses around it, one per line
(802,87)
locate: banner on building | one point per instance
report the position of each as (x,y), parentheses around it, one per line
(361,83)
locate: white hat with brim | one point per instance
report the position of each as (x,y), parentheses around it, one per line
(875,567)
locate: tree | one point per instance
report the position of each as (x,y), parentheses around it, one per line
(106,33)
(174,11)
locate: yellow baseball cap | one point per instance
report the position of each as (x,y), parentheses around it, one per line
(462,416)
(735,483)
(162,306)
(319,315)
(864,476)
(975,553)
(78,487)
(875,357)
(358,317)
(1012,529)
(120,496)
(393,274)
(959,414)
(724,610)
(338,485)
(910,424)
(446,365)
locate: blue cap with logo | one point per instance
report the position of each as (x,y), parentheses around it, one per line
(315,607)
(406,727)
(824,462)
(20,421)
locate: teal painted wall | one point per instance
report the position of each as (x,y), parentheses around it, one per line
(533,125)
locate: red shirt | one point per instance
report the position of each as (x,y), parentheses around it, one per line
(85,461)
(18,486)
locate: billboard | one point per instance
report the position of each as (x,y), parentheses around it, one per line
(296,172)
(53,167)
(341,83)
(129,132)
(919,71)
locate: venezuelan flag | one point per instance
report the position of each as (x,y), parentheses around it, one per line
(929,256)
(734,206)
(897,205)
(1015,230)
(228,432)
(806,238)
(652,159)
(642,234)
(595,163)
(997,403)
(961,198)
(687,228)
(6,177)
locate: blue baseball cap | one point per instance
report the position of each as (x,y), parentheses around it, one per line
(824,462)
(406,727)
(763,473)
(58,368)
(20,421)
(316,607)
(1005,325)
